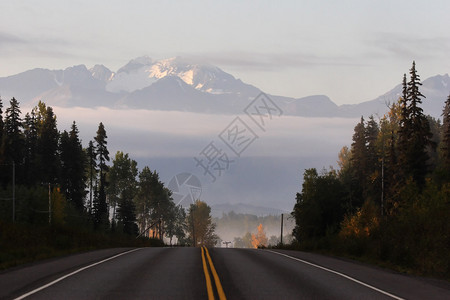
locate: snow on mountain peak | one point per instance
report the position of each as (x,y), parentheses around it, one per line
(173,67)
(143,71)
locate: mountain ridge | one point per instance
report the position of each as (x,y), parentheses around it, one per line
(217,210)
(144,83)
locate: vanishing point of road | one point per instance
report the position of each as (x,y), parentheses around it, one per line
(214,273)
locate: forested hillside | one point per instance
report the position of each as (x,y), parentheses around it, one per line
(390,199)
(58,196)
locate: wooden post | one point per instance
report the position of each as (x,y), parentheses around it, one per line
(281,239)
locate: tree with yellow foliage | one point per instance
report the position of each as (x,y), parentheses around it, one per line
(259,239)
(58,203)
(200,227)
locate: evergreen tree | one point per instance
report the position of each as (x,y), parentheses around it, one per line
(415,137)
(404,131)
(31,138)
(92,171)
(435,140)
(373,181)
(319,208)
(79,161)
(371,136)
(389,141)
(65,156)
(101,148)
(416,153)
(126,215)
(2,125)
(404,103)
(13,138)
(446,136)
(100,205)
(358,165)
(3,167)
(414,97)
(73,164)
(47,145)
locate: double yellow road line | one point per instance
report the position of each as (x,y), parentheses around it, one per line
(209,286)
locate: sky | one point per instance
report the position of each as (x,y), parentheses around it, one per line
(350,50)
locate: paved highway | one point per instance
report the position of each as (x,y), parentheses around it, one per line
(194,273)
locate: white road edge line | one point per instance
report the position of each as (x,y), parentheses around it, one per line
(73,273)
(337,273)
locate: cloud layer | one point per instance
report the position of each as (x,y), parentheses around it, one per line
(268,173)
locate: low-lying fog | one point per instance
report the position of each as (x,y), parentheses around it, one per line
(268,172)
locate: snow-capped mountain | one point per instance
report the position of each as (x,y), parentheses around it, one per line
(173,84)
(142,72)
(180,84)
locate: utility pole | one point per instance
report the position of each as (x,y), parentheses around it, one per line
(281,238)
(49,204)
(160,229)
(382,167)
(382,184)
(14,192)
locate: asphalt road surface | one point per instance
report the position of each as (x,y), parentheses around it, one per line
(195,273)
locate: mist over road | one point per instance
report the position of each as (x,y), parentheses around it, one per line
(181,273)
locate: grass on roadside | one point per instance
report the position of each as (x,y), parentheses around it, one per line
(21,243)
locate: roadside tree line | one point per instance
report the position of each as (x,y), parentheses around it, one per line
(47,177)
(390,198)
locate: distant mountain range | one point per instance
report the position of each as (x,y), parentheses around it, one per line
(180,85)
(217,210)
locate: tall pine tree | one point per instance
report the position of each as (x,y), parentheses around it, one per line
(2,125)
(31,138)
(73,165)
(3,169)
(47,145)
(92,171)
(358,165)
(415,137)
(404,131)
(417,155)
(13,138)
(79,162)
(101,217)
(373,184)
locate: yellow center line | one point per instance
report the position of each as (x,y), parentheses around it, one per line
(207,277)
(219,288)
